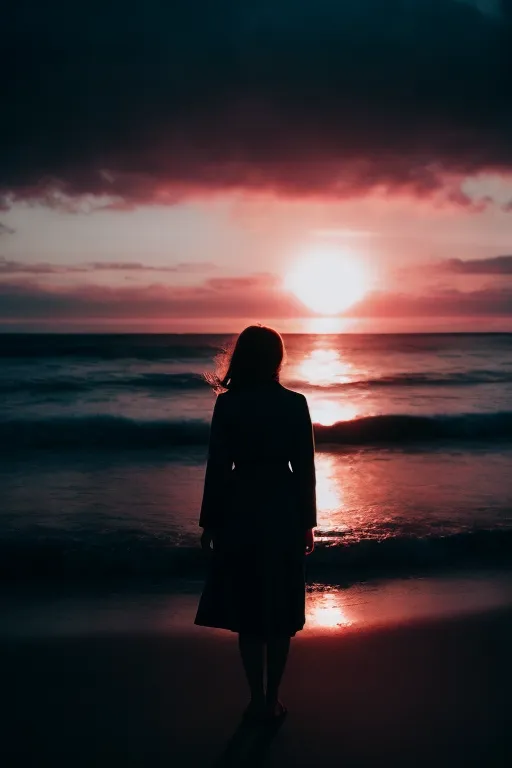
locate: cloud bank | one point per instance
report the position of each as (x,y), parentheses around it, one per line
(150,102)
(259,296)
(10,267)
(497,265)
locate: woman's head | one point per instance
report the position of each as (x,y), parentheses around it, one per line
(256,359)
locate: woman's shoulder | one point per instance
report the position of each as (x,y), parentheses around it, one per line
(236,396)
(291,394)
(222,399)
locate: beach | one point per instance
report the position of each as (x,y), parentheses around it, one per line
(405,656)
(256,372)
(428,690)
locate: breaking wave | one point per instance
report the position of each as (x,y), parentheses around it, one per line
(105,432)
(121,555)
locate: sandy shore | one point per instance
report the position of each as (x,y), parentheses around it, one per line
(436,692)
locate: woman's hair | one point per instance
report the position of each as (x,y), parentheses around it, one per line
(255,359)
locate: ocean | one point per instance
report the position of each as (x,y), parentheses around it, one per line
(104,441)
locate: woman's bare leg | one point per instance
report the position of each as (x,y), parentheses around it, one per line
(277,655)
(252,653)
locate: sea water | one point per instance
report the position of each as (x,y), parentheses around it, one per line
(104,440)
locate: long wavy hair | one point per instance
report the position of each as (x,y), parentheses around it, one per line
(255,359)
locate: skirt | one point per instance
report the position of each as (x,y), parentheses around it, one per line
(260,594)
(256,579)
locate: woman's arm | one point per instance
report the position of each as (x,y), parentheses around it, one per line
(218,469)
(303,465)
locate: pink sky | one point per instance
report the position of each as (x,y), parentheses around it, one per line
(165,169)
(216,262)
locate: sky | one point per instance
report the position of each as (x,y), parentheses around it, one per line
(166,166)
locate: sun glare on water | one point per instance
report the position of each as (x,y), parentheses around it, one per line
(326,611)
(328,412)
(324,367)
(328,281)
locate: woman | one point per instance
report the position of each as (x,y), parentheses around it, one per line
(258,512)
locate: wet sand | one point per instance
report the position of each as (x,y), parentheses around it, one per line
(433,692)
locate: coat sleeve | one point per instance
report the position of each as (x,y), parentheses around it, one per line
(218,469)
(303,465)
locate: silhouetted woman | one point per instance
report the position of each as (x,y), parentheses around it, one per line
(258,512)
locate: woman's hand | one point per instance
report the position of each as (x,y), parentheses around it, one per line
(310,541)
(207,541)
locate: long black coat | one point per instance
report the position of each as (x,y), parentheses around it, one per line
(259,500)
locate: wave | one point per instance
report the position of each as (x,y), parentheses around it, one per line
(187,381)
(105,432)
(125,555)
(109,347)
(434,379)
(395,428)
(145,381)
(101,433)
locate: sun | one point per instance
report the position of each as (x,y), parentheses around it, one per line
(328,281)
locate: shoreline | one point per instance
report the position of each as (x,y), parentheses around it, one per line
(168,608)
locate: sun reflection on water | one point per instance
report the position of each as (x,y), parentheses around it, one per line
(324,367)
(329,491)
(330,495)
(325,610)
(329,412)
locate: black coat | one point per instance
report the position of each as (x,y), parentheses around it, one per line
(259,500)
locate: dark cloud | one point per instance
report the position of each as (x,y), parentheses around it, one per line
(487,302)
(150,101)
(5,230)
(258,296)
(13,267)
(497,265)
(131,266)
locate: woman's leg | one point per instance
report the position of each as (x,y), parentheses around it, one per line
(277,655)
(252,653)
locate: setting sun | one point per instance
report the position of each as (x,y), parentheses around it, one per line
(328,281)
